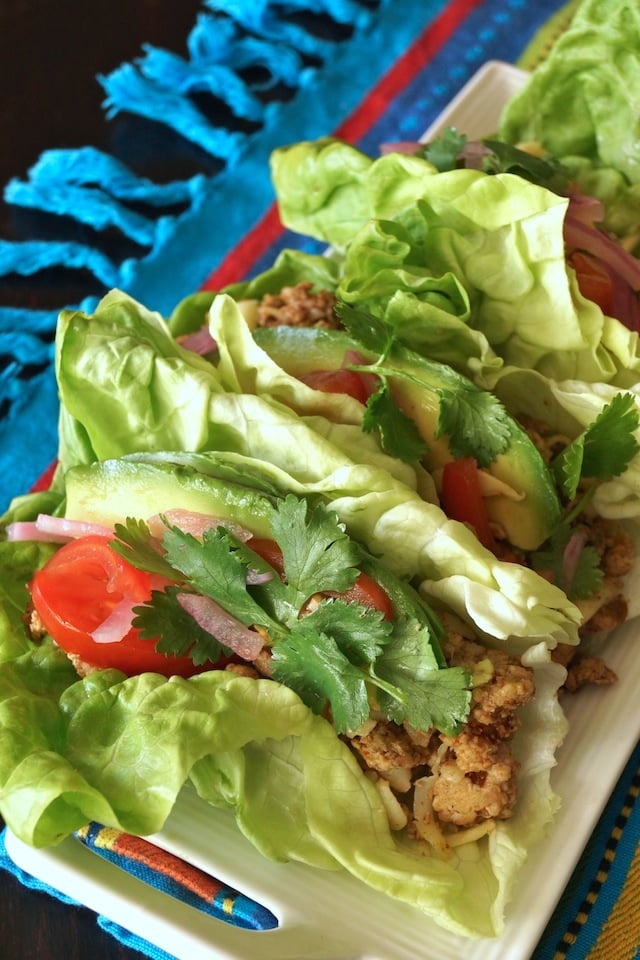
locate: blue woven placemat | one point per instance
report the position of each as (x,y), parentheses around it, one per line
(383,73)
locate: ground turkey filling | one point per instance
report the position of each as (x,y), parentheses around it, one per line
(447,790)
(436,786)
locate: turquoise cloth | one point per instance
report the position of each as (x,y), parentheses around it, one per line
(389,70)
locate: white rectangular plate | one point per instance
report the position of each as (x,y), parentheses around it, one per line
(331,916)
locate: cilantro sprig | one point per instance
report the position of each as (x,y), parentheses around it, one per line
(602,451)
(175,631)
(451,150)
(474,421)
(334,653)
(398,434)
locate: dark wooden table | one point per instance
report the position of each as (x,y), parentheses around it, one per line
(51,52)
(36,925)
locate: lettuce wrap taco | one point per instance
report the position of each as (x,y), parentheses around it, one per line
(248,578)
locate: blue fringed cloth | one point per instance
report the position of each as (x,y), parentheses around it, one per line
(377,72)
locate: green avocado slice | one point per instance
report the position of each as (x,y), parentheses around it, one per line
(524,500)
(143,485)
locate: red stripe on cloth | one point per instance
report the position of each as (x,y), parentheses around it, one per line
(256,242)
(245,253)
(44,481)
(417,56)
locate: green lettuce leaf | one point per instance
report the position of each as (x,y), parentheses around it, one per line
(482,254)
(524,330)
(373,494)
(18,561)
(119,751)
(593,66)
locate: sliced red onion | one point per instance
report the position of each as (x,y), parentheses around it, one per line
(117,624)
(199,342)
(226,629)
(255,577)
(194,523)
(571,555)
(626,306)
(402,146)
(585,208)
(48,529)
(582,236)
(72,529)
(28,530)
(473,154)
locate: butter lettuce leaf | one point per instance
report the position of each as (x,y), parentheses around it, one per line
(120,750)
(484,254)
(180,402)
(522,329)
(594,67)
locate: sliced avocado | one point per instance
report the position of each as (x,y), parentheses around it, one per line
(141,486)
(301,350)
(109,491)
(526,507)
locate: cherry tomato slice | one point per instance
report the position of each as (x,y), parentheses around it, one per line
(365,590)
(75,592)
(269,551)
(338,381)
(594,281)
(462,499)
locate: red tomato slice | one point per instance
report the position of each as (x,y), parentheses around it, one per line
(593,280)
(269,551)
(462,499)
(365,590)
(338,381)
(44,480)
(79,587)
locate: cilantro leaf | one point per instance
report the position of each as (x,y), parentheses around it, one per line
(372,332)
(177,633)
(604,449)
(216,566)
(578,580)
(399,436)
(567,467)
(318,555)
(440,699)
(360,632)
(444,151)
(545,171)
(451,150)
(427,695)
(312,665)
(475,422)
(334,653)
(137,546)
